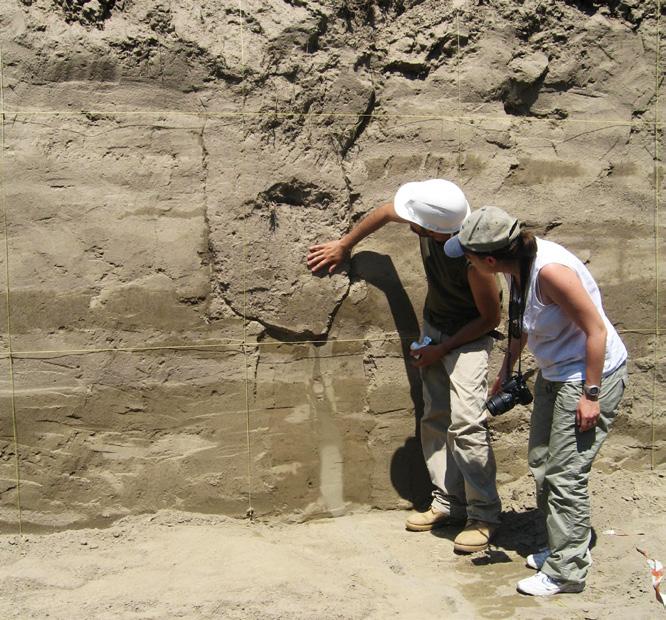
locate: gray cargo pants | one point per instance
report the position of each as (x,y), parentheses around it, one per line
(454,433)
(560,458)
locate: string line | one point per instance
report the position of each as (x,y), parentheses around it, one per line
(250,509)
(239,344)
(657,243)
(8,303)
(353,116)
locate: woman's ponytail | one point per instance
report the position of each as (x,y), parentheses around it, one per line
(527,245)
(525,251)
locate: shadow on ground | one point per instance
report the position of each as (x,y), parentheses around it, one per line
(520,532)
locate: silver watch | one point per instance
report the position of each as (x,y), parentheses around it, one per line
(591,391)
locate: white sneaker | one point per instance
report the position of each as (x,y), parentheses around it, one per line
(542,585)
(538,559)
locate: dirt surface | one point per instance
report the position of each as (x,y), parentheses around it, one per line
(165,166)
(362,565)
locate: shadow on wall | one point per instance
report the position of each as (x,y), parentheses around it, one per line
(409,474)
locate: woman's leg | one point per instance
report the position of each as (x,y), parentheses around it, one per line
(566,474)
(539,441)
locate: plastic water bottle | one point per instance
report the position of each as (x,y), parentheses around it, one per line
(415,346)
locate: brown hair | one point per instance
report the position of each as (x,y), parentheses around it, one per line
(522,249)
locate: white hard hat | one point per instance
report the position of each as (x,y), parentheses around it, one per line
(436,205)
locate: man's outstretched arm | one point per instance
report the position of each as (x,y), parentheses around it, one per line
(332,253)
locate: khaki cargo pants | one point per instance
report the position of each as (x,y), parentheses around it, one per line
(560,458)
(454,432)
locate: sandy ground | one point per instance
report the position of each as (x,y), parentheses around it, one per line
(362,565)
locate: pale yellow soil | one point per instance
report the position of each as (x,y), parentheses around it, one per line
(362,565)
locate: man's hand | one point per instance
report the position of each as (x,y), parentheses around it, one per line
(587,413)
(428,355)
(333,253)
(330,255)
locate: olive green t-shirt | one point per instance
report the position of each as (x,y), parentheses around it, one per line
(449,304)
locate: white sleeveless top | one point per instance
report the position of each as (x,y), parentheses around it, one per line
(557,343)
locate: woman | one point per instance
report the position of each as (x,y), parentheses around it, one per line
(582,364)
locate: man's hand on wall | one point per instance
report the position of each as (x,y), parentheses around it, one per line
(330,255)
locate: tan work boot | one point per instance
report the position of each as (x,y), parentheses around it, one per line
(475,536)
(424,521)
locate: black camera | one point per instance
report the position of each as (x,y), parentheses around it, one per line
(513,391)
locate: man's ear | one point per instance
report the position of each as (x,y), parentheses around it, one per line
(491,261)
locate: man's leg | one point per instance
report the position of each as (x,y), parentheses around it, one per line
(469,442)
(468,437)
(449,487)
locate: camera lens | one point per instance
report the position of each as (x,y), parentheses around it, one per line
(500,403)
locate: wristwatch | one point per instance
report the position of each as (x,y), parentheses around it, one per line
(591,391)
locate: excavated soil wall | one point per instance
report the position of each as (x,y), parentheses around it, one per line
(167,164)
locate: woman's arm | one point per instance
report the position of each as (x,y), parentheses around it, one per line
(560,285)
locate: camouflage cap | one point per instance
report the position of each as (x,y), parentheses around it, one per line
(485,230)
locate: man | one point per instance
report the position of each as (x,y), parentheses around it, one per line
(461,309)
